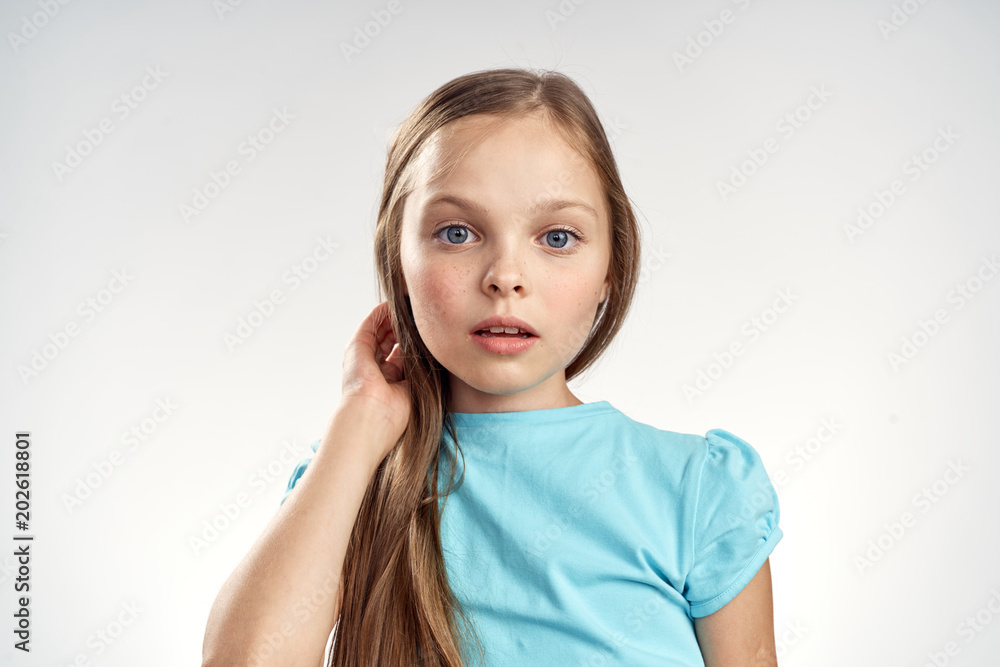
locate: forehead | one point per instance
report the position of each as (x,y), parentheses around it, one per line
(510,158)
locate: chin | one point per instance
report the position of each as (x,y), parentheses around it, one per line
(499,389)
(498,386)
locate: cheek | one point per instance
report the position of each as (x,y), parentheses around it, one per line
(573,304)
(436,293)
(576,294)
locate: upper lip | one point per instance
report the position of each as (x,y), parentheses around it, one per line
(504,321)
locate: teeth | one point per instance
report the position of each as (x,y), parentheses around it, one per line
(510,330)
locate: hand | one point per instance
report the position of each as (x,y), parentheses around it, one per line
(373,371)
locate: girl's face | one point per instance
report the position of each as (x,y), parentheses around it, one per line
(518,228)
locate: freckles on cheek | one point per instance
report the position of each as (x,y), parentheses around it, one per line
(573,294)
(440,290)
(573,302)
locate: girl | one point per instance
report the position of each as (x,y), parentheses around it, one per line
(465,507)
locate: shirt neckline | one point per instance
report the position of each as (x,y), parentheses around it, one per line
(546,415)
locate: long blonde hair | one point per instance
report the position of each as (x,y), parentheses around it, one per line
(398,608)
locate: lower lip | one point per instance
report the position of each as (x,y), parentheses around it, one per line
(504,344)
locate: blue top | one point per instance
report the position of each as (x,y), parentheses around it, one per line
(582,537)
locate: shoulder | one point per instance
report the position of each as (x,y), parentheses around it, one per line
(731,461)
(716,444)
(669,464)
(718,464)
(735,523)
(677,447)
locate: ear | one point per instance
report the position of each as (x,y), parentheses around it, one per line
(604,289)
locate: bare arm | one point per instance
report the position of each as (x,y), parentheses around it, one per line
(287,588)
(741,634)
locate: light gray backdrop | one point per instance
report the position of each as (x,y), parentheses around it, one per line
(816,183)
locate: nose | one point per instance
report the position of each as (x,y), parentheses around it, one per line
(505,274)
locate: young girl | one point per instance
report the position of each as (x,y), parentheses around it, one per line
(465,507)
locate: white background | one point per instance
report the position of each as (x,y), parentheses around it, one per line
(712,263)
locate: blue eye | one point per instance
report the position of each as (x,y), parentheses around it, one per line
(456,233)
(559,237)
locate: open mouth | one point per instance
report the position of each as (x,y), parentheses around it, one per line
(502,332)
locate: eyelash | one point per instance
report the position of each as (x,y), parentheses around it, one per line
(562,228)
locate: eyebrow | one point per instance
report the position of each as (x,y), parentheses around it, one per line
(543,206)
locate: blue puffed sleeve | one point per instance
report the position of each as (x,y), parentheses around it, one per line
(300,469)
(735,523)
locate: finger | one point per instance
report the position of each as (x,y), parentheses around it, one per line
(367,333)
(387,343)
(392,368)
(386,334)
